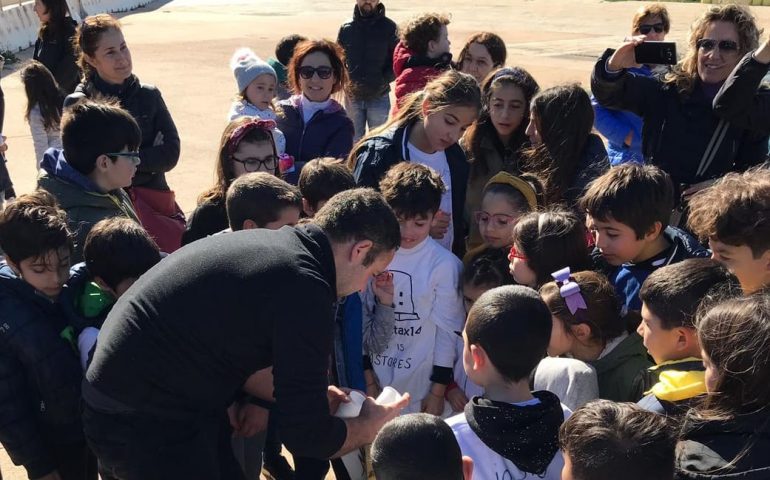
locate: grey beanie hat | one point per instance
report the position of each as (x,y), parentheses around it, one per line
(247,66)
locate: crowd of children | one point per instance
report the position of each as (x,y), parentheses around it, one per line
(549,315)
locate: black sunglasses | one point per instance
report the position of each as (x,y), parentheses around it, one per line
(707,45)
(323,72)
(254,164)
(645,29)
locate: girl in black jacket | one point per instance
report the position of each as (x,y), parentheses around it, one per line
(728,436)
(428,126)
(53,47)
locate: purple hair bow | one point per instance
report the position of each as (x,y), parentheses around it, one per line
(569,290)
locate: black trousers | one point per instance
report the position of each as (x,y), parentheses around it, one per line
(140,447)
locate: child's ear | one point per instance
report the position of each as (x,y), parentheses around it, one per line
(102,163)
(581,331)
(654,231)
(479,356)
(467,468)
(307,208)
(425,108)
(687,341)
(249,224)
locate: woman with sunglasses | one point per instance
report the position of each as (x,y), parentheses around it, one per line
(683,134)
(247,145)
(315,125)
(623,129)
(105,60)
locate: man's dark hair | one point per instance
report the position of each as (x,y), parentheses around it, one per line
(284,49)
(91,128)
(360,214)
(417,446)
(259,197)
(117,249)
(323,178)
(675,292)
(412,190)
(32,226)
(420,30)
(634,195)
(513,326)
(606,441)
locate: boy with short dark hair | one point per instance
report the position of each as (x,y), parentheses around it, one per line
(40,424)
(418,446)
(510,431)
(605,440)
(320,180)
(421,55)
(99,159)
(733,215)
(429,310)
(284,50)
(117,252)
(671,297)
(628,209)
(262,200)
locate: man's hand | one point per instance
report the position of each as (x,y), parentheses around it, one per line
(336,396)
(247,420)
(440,225)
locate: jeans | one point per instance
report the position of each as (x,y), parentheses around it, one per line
(367,112)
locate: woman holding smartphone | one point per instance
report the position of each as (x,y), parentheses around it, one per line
(683,134)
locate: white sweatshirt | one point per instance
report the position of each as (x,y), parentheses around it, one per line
(428,311)
(42,139)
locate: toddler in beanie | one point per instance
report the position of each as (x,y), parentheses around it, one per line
(256,81)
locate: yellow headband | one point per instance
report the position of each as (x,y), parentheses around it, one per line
(522,186)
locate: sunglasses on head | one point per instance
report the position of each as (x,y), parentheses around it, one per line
(645,29)
(308,72)
(707,45)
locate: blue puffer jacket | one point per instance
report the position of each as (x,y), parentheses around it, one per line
(615,125)
(329,133)
(39,377)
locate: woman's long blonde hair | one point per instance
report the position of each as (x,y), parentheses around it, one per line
(684,74)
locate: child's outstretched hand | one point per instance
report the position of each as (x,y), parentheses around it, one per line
(383,288)
(457,399)
(440,224)
(432,404)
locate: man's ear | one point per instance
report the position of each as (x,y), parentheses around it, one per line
(103,285)
(307,208)
(467,468)
(359,251)
(249,224)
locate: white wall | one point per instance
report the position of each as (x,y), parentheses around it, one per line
(19,24)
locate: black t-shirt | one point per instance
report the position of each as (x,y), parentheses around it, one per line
(187,335)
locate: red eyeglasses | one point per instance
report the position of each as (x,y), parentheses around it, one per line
(516,254)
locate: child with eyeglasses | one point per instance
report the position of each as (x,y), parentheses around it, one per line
(257,83)
(247,145)
(505,199)
(98,161)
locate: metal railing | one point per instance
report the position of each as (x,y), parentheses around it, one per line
(10,3)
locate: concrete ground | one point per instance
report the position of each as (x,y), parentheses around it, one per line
(184,46)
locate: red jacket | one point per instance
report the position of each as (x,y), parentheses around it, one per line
(413,72)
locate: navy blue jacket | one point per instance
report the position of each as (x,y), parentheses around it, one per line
(628,278)
(39,377)
(377,154)
(329,133)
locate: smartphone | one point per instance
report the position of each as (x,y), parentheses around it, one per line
(656,53)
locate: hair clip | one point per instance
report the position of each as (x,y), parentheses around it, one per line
(569,290)
(240,132)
